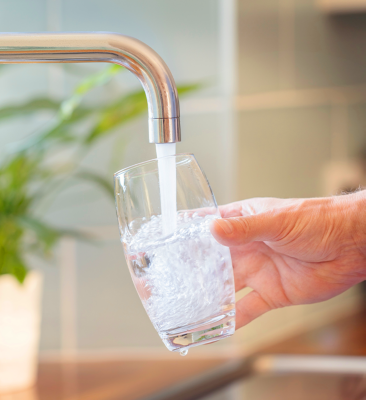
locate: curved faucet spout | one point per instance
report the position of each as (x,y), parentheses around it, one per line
(137,57)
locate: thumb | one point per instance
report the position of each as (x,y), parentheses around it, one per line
(242,230)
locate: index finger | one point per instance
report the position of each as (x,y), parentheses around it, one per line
(248,207)
(231,210)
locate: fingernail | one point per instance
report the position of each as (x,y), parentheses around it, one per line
(225,225)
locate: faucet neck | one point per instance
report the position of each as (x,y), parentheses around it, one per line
(137,57)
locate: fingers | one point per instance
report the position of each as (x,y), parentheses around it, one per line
(250,207)
(249,308)
(242,230)
(231,210)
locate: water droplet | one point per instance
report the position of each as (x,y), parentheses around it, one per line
(184,352)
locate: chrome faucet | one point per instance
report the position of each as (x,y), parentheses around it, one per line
(137,57)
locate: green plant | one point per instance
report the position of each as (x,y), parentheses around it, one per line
(28,178)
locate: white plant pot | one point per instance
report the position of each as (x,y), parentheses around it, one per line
(20,316)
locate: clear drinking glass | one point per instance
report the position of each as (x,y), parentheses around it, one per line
(183,276)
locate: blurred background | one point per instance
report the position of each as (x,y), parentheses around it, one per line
(280,112)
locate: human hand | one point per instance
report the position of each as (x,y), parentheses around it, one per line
(295,251)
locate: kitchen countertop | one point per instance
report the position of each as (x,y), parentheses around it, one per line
(133,379)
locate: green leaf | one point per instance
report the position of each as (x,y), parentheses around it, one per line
(31,106)
(20,272)
(12,264)
(103,183)
(98,79)
(46,235)
(118,113)
(184,89)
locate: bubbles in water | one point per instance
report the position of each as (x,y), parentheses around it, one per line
(184,352)
(184,277)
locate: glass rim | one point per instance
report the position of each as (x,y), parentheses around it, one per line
(149,161)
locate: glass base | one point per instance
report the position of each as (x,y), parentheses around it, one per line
(208,331)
